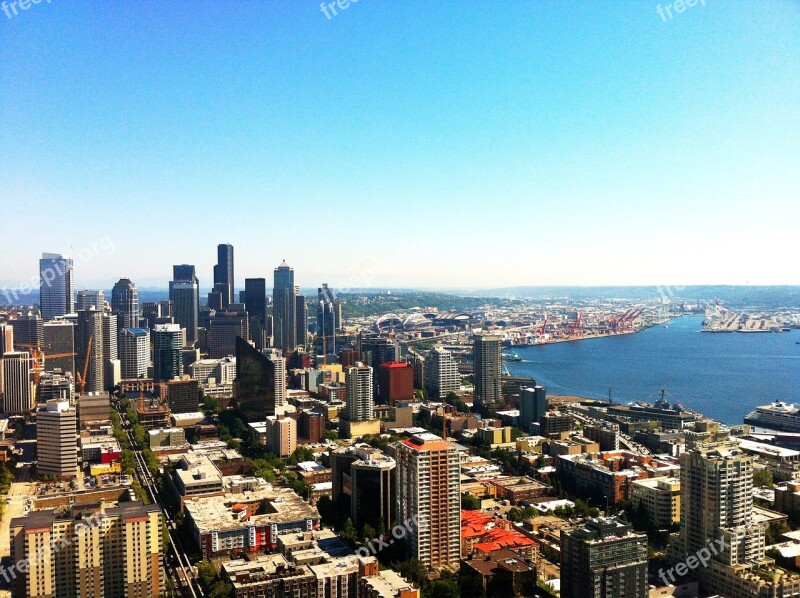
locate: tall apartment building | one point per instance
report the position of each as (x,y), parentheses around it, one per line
(110,553)
(717,502)
(125,303)
(6,345)
(58,338)
(284,306)
(56,285)
(184,292)
(358,380)
(488,368)
(603,557)
(441,373)
(167,344)
(17,395)
(183,396)
(429,490)
(532,406)
(376,350)
(222,370)
(56,448)
(90,298)
(56,385)
(134,352)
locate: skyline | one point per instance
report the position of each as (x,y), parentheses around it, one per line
(521,145)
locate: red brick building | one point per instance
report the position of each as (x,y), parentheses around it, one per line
(396,382)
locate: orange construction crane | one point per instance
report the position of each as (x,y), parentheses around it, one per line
(81,377)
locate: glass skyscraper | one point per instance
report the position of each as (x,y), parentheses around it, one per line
(56,285)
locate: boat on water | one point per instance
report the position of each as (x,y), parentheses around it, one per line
(511,356)
(780,416)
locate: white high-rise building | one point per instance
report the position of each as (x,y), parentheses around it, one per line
(134,352)
(17,395)
(358,380)
(90,298)
(56,285)
(428,483)
(56,447)
(441,373)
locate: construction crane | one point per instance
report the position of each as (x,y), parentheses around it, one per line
(81,377)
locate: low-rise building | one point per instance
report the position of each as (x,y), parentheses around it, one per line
(661,499)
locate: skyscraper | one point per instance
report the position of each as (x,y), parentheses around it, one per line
(56,435)
(27,331)
(125,303)
(376,350)
(134,352)
(428,486)
(301,318)
(90,327)
(184,292)
(255,302)
(359,393)
(441,373)
(167,344)
(487,359)
(260,385)
(224,328)
(223,273)
(6,345)
(59,339)
(532,406)
(56,285)
(283,308)
(17,395)
(603,558)
(91,298)
(327,323)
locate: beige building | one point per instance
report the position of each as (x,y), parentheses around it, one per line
(101,553)
(429,493)
(56,440)
(278,432)
(661,498)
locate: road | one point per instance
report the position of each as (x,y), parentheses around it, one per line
(176,563)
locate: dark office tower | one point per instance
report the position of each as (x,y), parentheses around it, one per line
(223,274)
(56,286)
(27,332)
(532,406)
(255,301)
(255,298)
(215,300)
(602,558)
(125,304)
(487,359)
(283,307)
(167,344)
(260,385)
(90,328)
(326,315)
(184,292)
(58,345)
(224,328)
(301,318)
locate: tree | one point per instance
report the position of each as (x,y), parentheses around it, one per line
(301,454)
(206,574)
(368,532)
(331,435)
(775,531)
(470,502)
(763,478)
(349,532)
(442,589)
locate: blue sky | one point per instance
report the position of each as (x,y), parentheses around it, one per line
(413,143)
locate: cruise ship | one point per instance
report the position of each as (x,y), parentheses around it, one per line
(779,416)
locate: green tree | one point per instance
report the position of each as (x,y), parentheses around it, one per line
(442,589)
(763,478)
(349,532)
(302,453)
(469,502)
(206,574)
